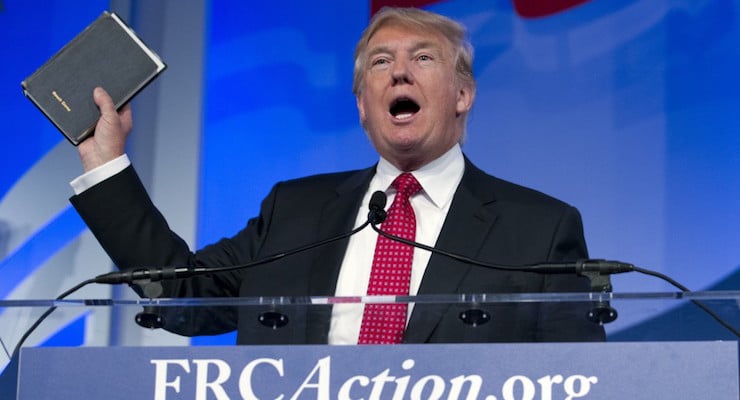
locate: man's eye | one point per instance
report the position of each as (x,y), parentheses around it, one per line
(380,61)
(425,57)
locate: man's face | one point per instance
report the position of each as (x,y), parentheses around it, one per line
(411,102)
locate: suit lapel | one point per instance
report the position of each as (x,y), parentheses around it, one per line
(337,217)
(467,225)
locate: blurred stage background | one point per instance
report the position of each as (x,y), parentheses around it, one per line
(628,110)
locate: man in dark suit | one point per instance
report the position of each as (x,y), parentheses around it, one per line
(414,88)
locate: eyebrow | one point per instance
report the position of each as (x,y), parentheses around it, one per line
(414,48)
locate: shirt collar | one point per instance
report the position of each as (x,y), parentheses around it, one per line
(439,178)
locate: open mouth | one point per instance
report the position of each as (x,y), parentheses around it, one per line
(404,108)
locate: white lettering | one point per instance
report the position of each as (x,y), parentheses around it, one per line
(402,384)
(323,368)
(212,375)
(379,382)
(160,377)
(546,383)
(528,389)
(245,379)
(438,388)
(475,381)
(346,388)
(201,379)
(584,384)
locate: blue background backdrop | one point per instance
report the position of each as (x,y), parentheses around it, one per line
(627,110)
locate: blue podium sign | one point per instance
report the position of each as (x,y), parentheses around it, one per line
(636,370)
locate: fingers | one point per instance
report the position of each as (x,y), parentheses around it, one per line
(127,122)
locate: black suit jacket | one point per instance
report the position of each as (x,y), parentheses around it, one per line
(489,220)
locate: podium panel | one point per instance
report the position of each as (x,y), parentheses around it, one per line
(638,370)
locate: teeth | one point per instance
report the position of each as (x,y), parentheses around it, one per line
(402,108)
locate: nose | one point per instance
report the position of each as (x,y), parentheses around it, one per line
(401,73)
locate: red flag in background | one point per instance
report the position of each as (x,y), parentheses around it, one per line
(525,8)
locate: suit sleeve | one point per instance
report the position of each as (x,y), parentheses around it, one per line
(134,233)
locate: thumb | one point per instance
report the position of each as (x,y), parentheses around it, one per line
(109,139)
(109,120)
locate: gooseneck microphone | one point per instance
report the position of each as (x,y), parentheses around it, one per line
(605,267)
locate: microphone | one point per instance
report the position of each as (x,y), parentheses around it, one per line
(581,267)
(377,212)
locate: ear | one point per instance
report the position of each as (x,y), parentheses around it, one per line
(361,108)
(465,97)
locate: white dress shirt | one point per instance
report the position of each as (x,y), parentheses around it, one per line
(439,180)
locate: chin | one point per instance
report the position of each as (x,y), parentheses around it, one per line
(405,144)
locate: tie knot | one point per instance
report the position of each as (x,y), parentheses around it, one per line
(406,185)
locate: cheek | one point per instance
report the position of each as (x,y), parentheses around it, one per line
(372,108)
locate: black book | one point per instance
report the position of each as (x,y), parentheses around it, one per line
(108,54)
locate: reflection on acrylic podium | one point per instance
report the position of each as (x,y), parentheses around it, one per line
(661,346)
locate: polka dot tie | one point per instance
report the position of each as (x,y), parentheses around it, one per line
(391,271)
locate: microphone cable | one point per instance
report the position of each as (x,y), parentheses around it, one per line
(46,314)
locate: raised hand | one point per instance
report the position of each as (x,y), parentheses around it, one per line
(109,140)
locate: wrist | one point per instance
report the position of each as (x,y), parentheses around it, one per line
(93,156)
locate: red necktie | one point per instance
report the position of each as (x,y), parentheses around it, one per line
(391,271)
